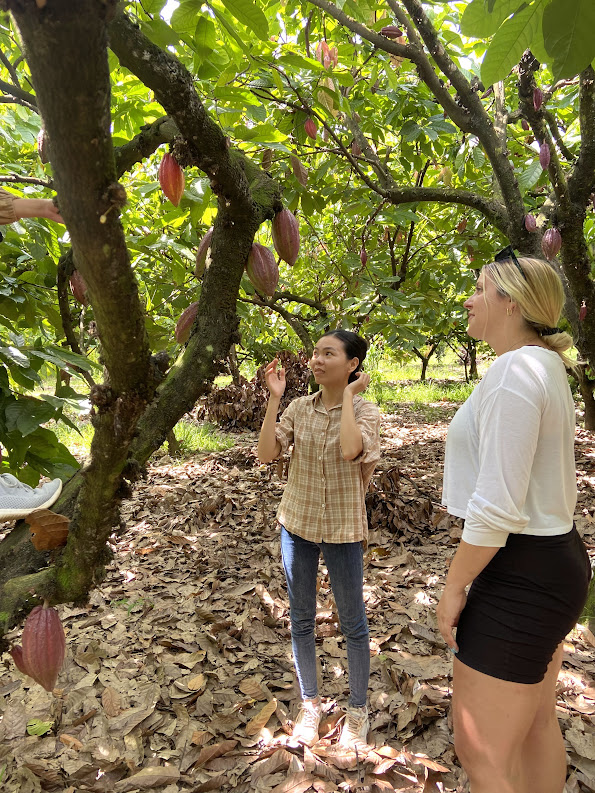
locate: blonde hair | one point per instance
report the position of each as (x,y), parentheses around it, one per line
(539,296)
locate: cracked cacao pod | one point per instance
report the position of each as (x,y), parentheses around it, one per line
(201,254)
(537,98)
(310,127)
(185,323)
(530,222)
(78,287)
(171,179)
(545,155)
(44,646)
(551,243)
(286,236)
(262,269)
(391,32)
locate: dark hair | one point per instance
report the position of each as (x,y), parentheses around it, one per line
(355,347)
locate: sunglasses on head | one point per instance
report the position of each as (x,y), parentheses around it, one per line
(507,254)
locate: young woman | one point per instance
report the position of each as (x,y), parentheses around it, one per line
(510,473)
(336,444)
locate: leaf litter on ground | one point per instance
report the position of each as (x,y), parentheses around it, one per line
(179,674)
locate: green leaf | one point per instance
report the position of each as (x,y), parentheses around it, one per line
(38,727)
(183,19)
(478,22)
(26,415)
(568,33)
(250,15)
(510,41)
(530,176)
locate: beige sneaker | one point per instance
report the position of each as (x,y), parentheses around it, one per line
(355,727)
(305,730)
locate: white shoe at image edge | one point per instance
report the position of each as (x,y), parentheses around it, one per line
(17,500)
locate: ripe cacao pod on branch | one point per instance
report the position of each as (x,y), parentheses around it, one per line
(545,155)
(525,125)
(286,236)
(262,269)
(391,32)
(171,179)
(551,243)
(310,128)
(537,98)
(78,287)
(185,323)
(44,647)
(201,253)
(530,223)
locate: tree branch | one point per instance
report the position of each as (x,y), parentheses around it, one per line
(18,93)
(581,182)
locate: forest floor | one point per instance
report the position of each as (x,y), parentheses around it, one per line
(179,674)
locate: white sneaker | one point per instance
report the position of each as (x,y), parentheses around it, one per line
(18,500)
(305,730)
(355,727)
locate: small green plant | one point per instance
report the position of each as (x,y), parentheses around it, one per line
(201,437)
(132,605)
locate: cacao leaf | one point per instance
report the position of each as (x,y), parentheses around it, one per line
(151,777)
(48,529)
(216,750)
(259,721)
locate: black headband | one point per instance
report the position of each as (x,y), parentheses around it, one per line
(550,331)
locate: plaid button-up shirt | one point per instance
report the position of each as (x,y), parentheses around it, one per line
(324,499)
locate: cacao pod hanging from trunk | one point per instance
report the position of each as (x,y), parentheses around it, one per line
(78,287)
(545,155)
(262,269)
(171,179)
(201,254)
(525,125)
(530,223)
(537,98)
(310,128)
(551,243)
(286,236)
(44,647)
(42,146)
(185,323)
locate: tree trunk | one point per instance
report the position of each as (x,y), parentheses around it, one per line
(587,388)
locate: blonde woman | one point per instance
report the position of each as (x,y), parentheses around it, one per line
(510,473)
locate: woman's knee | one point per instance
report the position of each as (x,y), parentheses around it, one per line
(303,622)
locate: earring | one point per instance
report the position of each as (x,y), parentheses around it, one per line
(509,312)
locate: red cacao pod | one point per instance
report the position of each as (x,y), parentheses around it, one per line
(537,98)
(551,243)
(185,323)
(78,287)
(171,179)
(582,313)
(530,223)
(363,256)
(544,155)
(310,127)
(17,657)
(525,125)
(391,32)
(201,254)
(262,269)
(286,236)
(44,646)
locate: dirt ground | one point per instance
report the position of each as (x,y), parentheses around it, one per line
(179,674)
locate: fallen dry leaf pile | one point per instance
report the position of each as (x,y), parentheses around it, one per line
(179,674)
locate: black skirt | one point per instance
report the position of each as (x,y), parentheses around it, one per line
(522,604)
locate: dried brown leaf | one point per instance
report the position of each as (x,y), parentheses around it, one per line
(216,750)
(48,529)
(148,778)
(259,721)
(111,701)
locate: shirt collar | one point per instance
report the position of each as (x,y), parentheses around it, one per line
(316,400)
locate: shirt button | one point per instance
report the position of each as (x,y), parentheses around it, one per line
(323,506)
(320,458)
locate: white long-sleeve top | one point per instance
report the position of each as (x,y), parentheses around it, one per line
(509,465)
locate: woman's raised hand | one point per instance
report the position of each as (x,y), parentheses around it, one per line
(359,385)
(275,378)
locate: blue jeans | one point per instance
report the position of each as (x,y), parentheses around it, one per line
(344,562)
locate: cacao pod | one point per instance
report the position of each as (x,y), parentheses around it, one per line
(391,32)
(462,226)
(525,125)
(323,53)
(551,243)
(544,155)
(310,127)
(185,323)
(355,149)
(171,179)
(17,657)
(363,256)
(286,236)
(78,287)
(42,146)
(537,98)
(44,646)
(201,254)
(262,269)
(530,223)
(582,313)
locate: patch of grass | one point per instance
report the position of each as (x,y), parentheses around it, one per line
(417,394)
(77,443)
(204,437)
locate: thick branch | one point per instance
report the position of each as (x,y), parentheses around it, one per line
(18,93)
(582,180)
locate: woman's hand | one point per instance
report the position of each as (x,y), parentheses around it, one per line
(275,379)
(359,385)
(448,612)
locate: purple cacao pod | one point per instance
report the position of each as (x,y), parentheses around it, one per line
(551,243)
(44,646)
(286,236)
(530,223)
(262,269)
(185,323)
(525,125)
(544,155)
(391,32)
(363,256)
(17,657)
(537,98)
